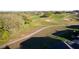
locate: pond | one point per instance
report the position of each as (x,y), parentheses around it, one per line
(73,26)
(70,34)
(43,43)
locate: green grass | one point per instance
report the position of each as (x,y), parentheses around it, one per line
(23,23)
(57,37)
(4,35)
(62,16)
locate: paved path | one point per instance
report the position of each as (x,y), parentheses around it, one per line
(26,37)
(43,32)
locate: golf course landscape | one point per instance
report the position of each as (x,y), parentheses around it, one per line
(16,25)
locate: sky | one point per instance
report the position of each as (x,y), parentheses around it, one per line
(38,5)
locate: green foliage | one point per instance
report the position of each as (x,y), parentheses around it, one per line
(12,23)
(26,20)
(4,36)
